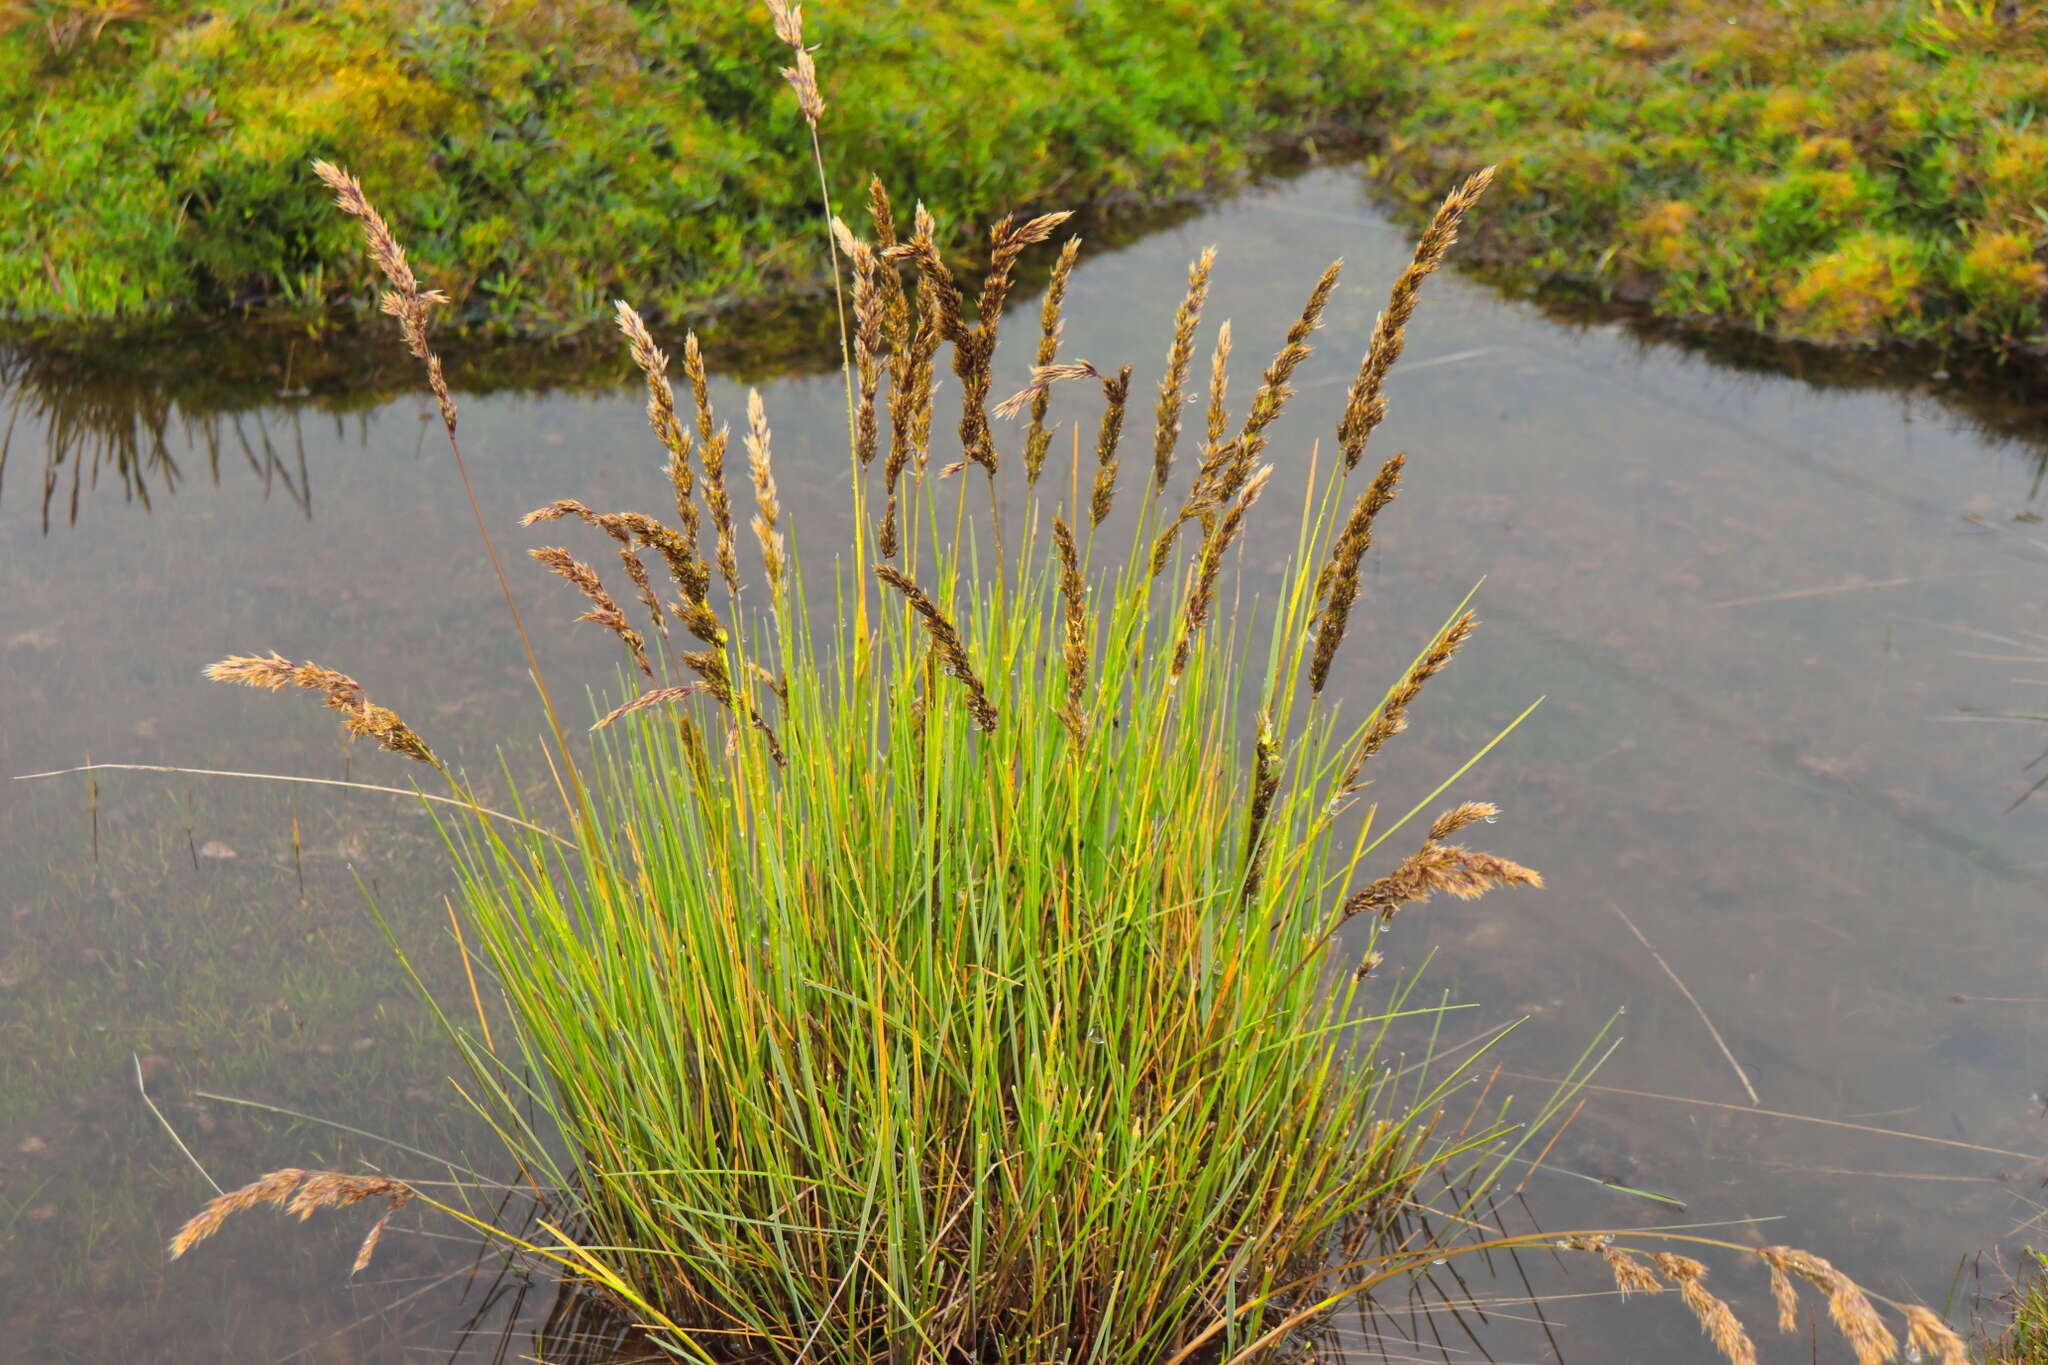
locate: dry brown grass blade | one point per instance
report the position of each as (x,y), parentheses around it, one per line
(1693,1000)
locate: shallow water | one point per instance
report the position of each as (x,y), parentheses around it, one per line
(1768,618)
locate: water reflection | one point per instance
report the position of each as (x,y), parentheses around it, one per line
(1759,605)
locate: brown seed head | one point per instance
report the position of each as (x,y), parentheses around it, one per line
(1038,438)
(1339,578)
(946,644)
(343,694)
(1173,387)
(1366,405)
(1392,717)
(767,504)
(1116,393)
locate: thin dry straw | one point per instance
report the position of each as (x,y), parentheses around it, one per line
(343,694)
(604,609)
(1393,713)
(1173,387)
(1340,576)
(1073,600)
(946,644)
(768,506)
(1038,437)
(1693,1000)
(1366,405)
(711,454)
(1116,394)
(1203,595)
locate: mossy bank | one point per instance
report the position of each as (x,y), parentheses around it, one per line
(1840,171)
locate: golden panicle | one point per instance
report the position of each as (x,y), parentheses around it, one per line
(1849,1307)
(1631,1275)
(652,697)
(1203,595)
(711,455)
(895,305)
(1219,384)
(359,715)
(1273,392)
(1073,599)
(1932,1338)
(1365,405)
(1392,717)
(405,300)
(950,650)
(1038,437)
(1783,1292)
(1716,1319)
(1007,241)
(1458,817)
(867,337)
(803,76)
(604,610)
(302,1193)
(910,405)
(1450,868)
(1043,377)
(767,505)
(1173,387)
(944,304)
(1116,394)
(1339,579)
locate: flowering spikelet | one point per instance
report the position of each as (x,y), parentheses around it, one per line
(1273,392)
(802,77)
(867,336)
(1716,1319)
(302,1193)
(1265,786)
(1365,405)
(1203,594)
(1339,578)
(1173,387)
(768,507)
(1038,437)
(652,697)
(1073,600)
(1393,713)
(359,715)
(405,300)
(895,306)
(1450,868)
(711,454)
(604,611)
(1783,1293)
(1043,377)
(946,644)
(1848,1305)
(1116,393)
(1631,1275)
(1219,384)
(1932,1338)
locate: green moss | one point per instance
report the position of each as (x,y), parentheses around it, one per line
(1833,171)
(542,157)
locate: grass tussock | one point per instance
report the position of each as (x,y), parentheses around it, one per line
(944,959)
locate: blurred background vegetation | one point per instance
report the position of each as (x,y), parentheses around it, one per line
(1835,170)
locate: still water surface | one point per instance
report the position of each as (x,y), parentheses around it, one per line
(1771,619)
